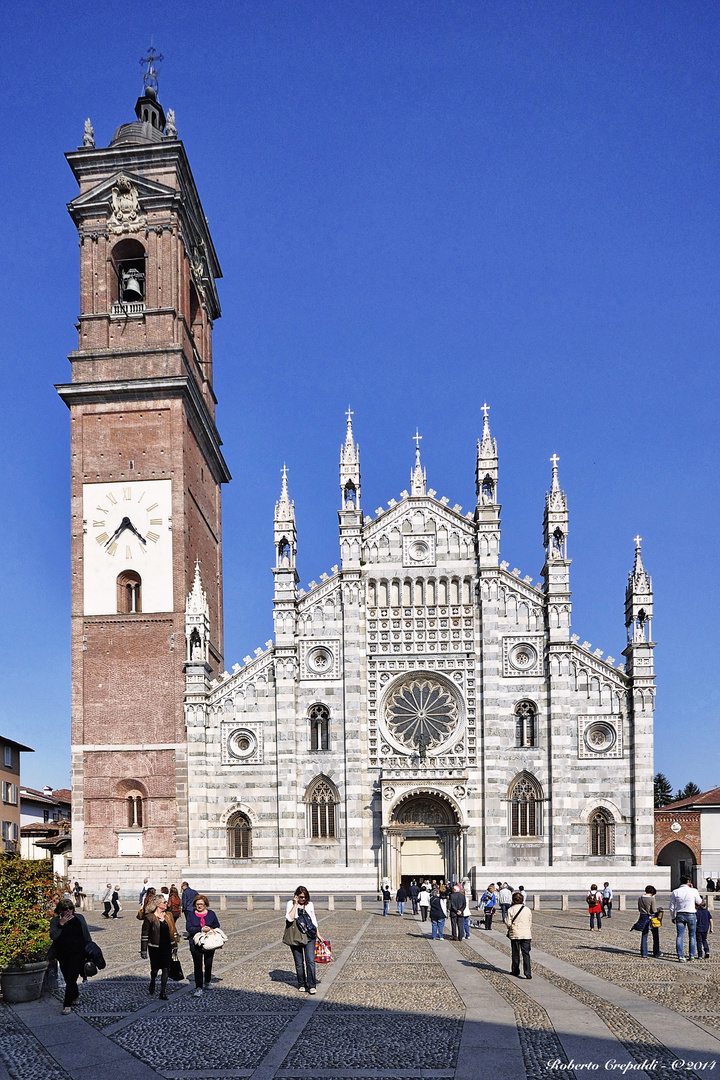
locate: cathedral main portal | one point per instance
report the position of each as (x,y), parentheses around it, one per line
(422,840)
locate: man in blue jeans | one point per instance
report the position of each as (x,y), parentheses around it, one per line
(684,901)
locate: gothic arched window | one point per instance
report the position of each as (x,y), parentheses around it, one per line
(525,724)
(321,800)
(319,716)
(602,833)
(239,837)
(129,593)
(525,798)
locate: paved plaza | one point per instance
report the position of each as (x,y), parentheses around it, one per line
(393,1006)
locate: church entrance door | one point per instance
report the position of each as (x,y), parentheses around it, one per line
(422,840)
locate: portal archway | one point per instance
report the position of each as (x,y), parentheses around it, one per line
(423,839)
(681,860)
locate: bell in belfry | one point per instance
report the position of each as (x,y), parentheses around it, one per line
(132,286)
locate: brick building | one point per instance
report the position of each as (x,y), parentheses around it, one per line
(687,837)
(422,709)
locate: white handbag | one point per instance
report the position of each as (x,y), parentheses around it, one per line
(210,939)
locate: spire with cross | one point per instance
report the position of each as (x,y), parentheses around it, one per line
(418,476)
(350,467)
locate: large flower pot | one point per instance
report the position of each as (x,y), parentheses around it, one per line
(24,983)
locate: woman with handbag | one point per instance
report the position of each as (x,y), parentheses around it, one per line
(300,934)
(488,901)
(198,923)
(160,938)
(647,907)
(174,903)
(70,936)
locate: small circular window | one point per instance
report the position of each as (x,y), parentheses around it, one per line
(419,550)
(242,743)
(600,737)
(320,661)
(523,656)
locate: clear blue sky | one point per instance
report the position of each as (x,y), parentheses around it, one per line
(418,207)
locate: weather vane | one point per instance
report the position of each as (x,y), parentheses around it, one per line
(150,77)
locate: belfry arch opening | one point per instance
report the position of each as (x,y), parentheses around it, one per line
(423,839)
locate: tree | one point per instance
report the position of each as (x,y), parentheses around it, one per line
(663,790)
(30,890)
(688,791)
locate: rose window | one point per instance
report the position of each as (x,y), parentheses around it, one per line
(421,713)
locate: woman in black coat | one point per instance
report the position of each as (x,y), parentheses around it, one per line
(70,936)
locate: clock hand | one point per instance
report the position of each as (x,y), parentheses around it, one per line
(133,529)
(123,525)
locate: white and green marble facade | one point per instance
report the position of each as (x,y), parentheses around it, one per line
(421,600)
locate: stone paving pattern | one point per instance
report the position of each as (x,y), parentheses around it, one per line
(389,1009)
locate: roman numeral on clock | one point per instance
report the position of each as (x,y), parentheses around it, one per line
(153,536)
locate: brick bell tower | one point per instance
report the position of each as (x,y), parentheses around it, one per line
(146,470)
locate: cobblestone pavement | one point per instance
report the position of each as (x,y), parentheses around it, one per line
(393,1006)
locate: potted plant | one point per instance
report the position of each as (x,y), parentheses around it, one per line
(29,891)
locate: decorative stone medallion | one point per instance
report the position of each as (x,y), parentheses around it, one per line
(419,549)
(421,712)
(599,737)
(319,658)
(242,742)
(126,213)
(522,656)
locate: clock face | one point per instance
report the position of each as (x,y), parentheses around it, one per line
(128,527)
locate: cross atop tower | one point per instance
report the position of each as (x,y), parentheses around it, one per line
(485,409)
(349,414)
(416,439)
(150,77)
(554,460)
(638,541)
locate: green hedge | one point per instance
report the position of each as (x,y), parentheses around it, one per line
(29,891)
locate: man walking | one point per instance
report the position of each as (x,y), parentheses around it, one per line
(684,901)
(414,893)
(107,901)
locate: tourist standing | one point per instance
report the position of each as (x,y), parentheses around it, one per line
(143,889)
(488,901)
(466,916)
(607,899)
(456,907)
(174,903)
(386,898)
(648,906)
(70,936)
(505,899)
(78,894)
(146,900)
(703,927)
(301,934)
(684,902)
(201,918)
(424,901)
(594,903)
(401,899)
(187,895)
(438,913)
(519,924)
(160,938)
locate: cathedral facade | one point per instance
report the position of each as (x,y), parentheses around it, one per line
(422,709)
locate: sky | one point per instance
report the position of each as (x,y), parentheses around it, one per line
(418,208)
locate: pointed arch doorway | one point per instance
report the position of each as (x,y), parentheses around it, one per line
(423,839)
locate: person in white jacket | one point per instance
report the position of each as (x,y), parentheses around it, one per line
(519,924)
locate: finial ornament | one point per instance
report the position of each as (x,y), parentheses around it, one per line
(485,409)
(153,61)
(638,541)
(554,460)
(416,439)
(349,415)
(89,135)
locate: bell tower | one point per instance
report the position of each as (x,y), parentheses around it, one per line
(146,469)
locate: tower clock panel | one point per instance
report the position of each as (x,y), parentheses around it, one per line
(127,547)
